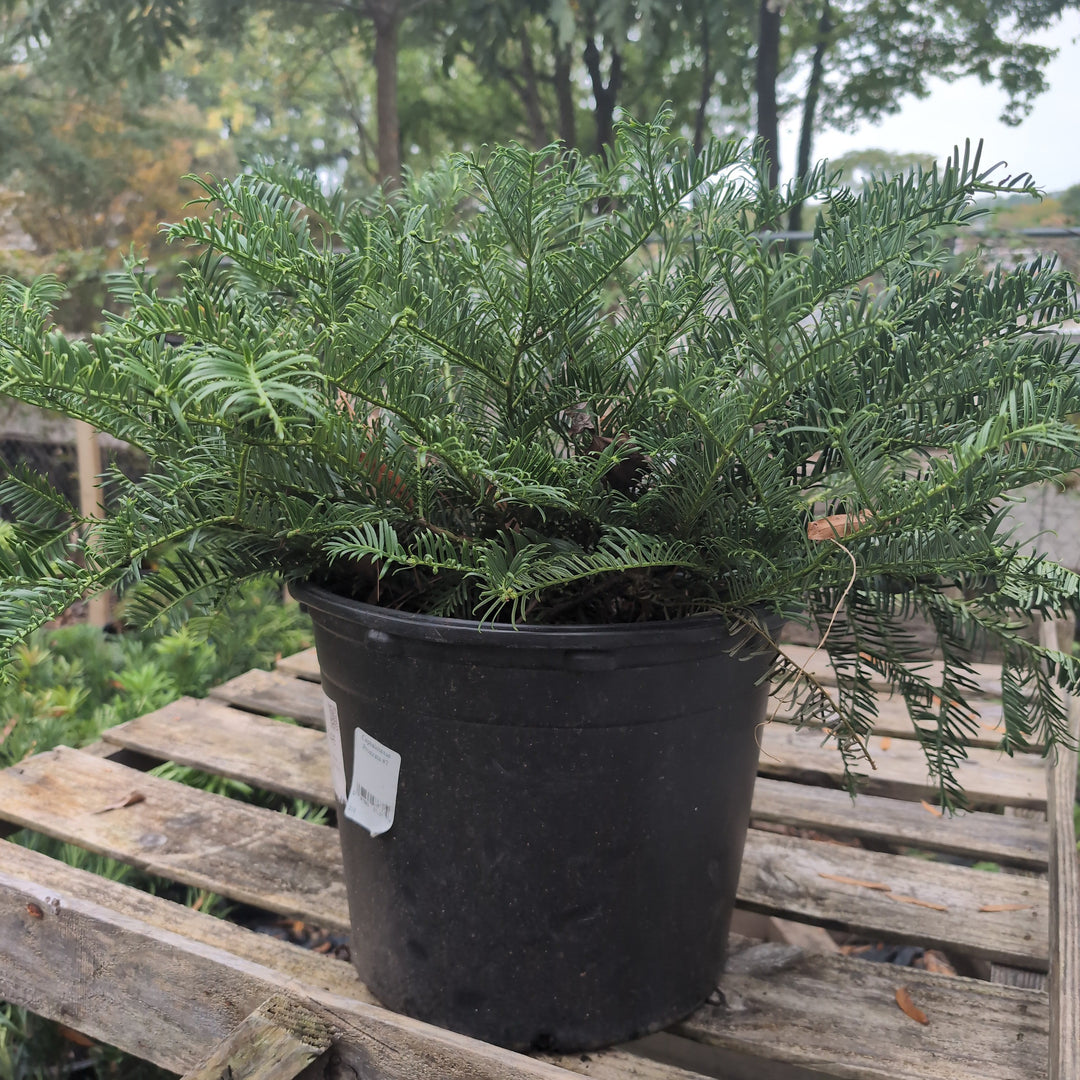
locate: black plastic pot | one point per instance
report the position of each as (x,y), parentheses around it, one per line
(568,807)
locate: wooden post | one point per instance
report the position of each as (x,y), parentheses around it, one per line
(91,504)
(1064,888)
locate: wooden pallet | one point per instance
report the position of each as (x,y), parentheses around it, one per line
(195,994)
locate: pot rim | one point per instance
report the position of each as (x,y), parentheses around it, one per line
(691,629)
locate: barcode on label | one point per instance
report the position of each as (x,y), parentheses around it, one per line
(383,809)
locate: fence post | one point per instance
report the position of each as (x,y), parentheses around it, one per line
(91,504)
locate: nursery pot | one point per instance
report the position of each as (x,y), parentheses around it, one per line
(542,826)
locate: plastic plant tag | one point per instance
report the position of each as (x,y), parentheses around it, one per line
(333,746)
(373,795)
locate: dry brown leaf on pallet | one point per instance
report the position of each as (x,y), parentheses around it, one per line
(1005,907)
(935,962)
(880,886)
(130,799)
(903,999)
(930,808)
(916,900)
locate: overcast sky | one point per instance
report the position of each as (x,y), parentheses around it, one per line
(1047,144)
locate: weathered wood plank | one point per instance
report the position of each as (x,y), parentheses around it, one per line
(290,963)
(275,1042)
(264,858)
(988,778)
(209,735)
(898,897)
(1065,918)
(72,960)
(302,665)
(275,694)
(816,663)
(980,836)
(894,722)
(291,760)
(840,1016)
(282,864)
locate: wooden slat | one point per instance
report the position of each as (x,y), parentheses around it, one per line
(282,864)
(816,663)
(988,778)
(894,722)
(281,1038)
(302,665)
(211,736)
(840,1016)
(1065,920)
(832,884)
(978,836)
(260,857)
(226,741)
(291,964)
(275,694)
(189,996)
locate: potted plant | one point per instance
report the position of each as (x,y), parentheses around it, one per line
(550,448)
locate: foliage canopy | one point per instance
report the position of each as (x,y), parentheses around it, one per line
(550,389)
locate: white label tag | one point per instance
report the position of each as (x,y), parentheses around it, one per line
(333,747)
(373,795)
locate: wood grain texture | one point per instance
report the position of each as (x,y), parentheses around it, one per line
(979,836)
(229,742)
(209,735)
(990,779)
(779,1002)
(816,662)
(290,866)
(302,665)
(264,858)
(894,721)
(274,694)
(1065,894)
(291,963)
(277,1041)
(815,881)
(85,964)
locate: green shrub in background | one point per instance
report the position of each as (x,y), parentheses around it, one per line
(71,683)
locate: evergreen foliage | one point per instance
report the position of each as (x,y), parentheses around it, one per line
(540,388)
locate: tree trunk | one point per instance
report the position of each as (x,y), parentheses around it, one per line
(813,92)
(386,17)
(708,75)
(564,92)
(530,92)
(605,96)
(768,69)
